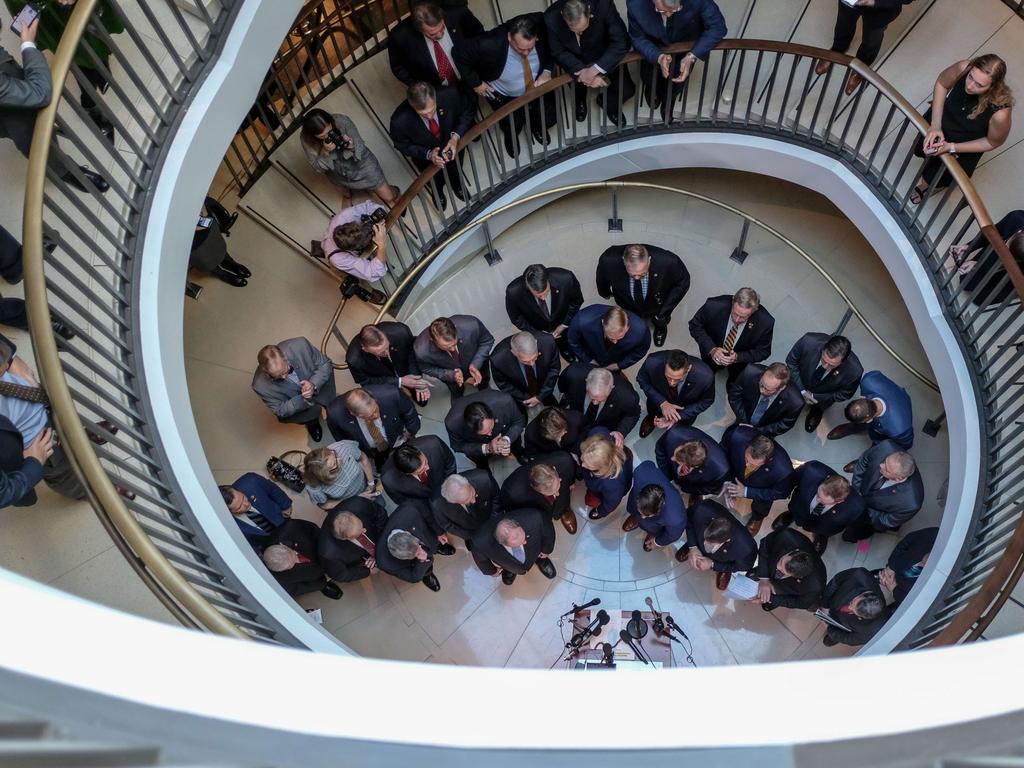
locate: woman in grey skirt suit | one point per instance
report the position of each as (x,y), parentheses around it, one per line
(349,166)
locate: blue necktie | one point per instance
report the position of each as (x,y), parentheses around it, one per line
(760,410)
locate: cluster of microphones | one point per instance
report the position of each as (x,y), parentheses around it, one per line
(636,629)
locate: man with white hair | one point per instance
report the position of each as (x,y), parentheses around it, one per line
(408,544)
(376,416)
(526,367)
(603,399)
(292,558)
(466,502)
(890,483)
(512,544)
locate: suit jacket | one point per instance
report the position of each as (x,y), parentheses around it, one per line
(509,421)
(414,517)
(517,493)
(744,394)
(841,590)
(398,415)
(789,592)
(283,397)
(619,413)
(696,394)
(710,476)
(268,499)
(402,487)
(697,20)
(370,369)
(540,539)
(508,372)
(890,507)
(611,490)
(604,43)
(342,559)
(708,328)
(907,554)
(411,136)
(837,385)
(482,58)
(300,536)
(897,423)
(536,445)
(524,311)
(806,480)
(669,524)
(475,343)
(464,521)
(586,339)
(667,281)
(409,51)
(18,475)
(770,482)
(738,552)
(24,90)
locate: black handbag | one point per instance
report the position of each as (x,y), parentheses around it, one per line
(285,473)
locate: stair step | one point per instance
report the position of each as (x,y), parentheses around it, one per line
(22,753)
(22,729)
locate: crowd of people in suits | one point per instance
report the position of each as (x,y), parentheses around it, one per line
(554,398)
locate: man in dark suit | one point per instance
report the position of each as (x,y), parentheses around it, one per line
(383,354)
(466,502)
(292,558)
(764,397)
(823,503)
(505,63)
(883,410)
(733,331)
(761,471)
(825,370)
(347,545)
(416,469)
(526,367)
(513,543)
(409,542)
(455,350)
(656,24)
(258,505)
(692,460)
(21,468)
(295,380)
(678,387)
(420,47)
(484,424)
(545,485)
(376,416)
(603,399)
(588,39)
(553,429)
(855,600)
(717,541)
(545,301)
(906,562)
(655,507)
(790,573)
(610,337)
(645,280)
(426,128)
(890,483)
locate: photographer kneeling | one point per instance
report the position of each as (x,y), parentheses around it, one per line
(349,234)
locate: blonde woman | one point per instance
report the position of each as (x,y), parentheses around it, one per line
(607,472)
(337,472)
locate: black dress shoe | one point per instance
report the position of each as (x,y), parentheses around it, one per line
(94,178)
(660,334)
(331,591)
(828,642)
(239,269)
(105,126)
(820,542)
(432,583)
(507,577)
(646,426)
(511,146)
(782,521)
(446,550)
(229,277)
(541,137)
(316,432)
(813,418)
(616,119)
(442,202)
(62,329)
(459,193)
(226,229)
(545,566)
(593,514)
(768,607)
(581,110)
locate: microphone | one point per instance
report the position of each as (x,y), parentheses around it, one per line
(577,608)
(659,623)
(609,656)
(672,623)
(636,626)
(600,620)
(628,640)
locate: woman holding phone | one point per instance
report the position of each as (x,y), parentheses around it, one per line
(970,115)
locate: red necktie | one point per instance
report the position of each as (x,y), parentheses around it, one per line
(684,470)
(303,559)
(367,544)
(445,70)
(424,478)
(435,129)
(846,609)
(551,499)
(531,380)
(454,353)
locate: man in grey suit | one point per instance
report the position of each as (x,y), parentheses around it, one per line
(888,479)
(296,381)
(455,350)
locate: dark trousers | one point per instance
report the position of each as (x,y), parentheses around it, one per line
(875,20)
(759,509)
(450,175)
(512,126)
(609,97)
(651,74)
(863,528)
(732,371)
(312,414)
(94,78)
(933,165)
(485,382)
(10,257)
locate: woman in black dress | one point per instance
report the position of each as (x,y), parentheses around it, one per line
(970,114)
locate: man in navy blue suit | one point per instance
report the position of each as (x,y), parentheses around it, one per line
(609,337)
(678,387)
(656,507)
(761,470)
(717,541)
(655,24)
(883,410)
(693,460)
(823,503)
(259,507)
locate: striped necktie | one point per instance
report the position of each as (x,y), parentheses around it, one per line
(730,339)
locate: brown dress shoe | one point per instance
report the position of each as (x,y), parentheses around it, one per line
(568,519)
(722,579)
(821,66)
(631,524)
(853,82)
(754,526)
(682,554)
(850,466)
(646,426)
